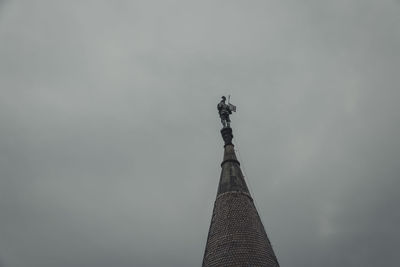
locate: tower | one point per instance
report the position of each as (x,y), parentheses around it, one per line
(236,236)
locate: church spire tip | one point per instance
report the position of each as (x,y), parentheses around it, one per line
(227,135)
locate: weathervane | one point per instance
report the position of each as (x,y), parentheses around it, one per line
(225,110)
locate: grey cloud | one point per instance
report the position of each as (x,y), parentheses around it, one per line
(110,146)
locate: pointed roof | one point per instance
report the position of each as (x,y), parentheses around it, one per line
(237,236)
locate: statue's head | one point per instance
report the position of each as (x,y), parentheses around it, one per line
(223,98)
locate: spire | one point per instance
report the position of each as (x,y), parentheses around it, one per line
(236,236)
(231,175)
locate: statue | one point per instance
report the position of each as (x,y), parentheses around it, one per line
(224,111)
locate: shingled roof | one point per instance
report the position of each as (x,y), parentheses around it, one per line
(237,236)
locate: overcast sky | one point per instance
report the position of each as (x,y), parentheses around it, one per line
(110,148)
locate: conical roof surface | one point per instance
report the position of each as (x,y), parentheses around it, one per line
(236,236)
